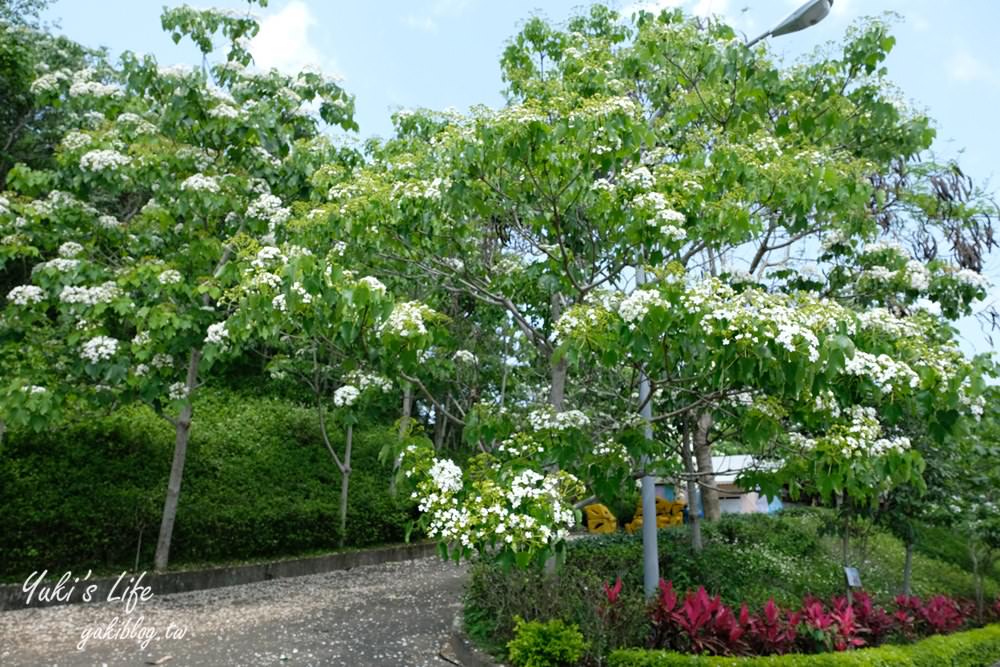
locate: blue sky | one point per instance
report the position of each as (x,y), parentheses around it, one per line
(445,53)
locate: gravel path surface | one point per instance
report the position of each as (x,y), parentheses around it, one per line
(385,615)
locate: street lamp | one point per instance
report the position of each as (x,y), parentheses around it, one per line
(806,16)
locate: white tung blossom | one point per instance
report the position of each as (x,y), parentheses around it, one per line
(170,277)
(103,160)
(373,284)
(70,249)
(465,357)
(346,396)
(90,296)
(637,304)
(217,334)
(24,295)
(99,349)
(178,391)
(200,183)
(446,475)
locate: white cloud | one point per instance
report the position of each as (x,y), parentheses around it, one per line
(439,9)
(422,23)
(284,42)
(963,66)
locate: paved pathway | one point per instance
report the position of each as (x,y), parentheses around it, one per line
(395,614)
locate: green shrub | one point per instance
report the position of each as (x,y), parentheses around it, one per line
(975,648)
(548,644)
(258,483)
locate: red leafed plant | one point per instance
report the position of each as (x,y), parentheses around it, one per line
(774,631)
(701,623)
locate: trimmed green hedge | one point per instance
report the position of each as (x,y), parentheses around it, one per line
(258,483)
(975,648)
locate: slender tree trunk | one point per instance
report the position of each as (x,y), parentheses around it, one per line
(182,433)
(3,430)
(440,424)
(908,568)
(692,492)
(703,456)
(845,541)
(977,578)
(557,389)
(404,423)
(345,480)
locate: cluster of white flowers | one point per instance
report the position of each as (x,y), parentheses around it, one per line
(883,370)
(280,303)
(224,111)
(880,274)
(109,222)
(161,360)
(972,279)
(363,381)
(447,476)
(419,189)
(880,319)
(33,389)
(885,246)
(373,284)
(49,82)
(99,349)
(547,419)
(90,296)
(883,446)
(465,357)
(917,275)
(60,264)
(103,160)
(201,183)
(975,405)
(267,256)
(520,445)
(406,320)
(95,89)
(24,295)
(640,177)
(178,391)
(346,396)
(170,277)
(74,141)
(611,449)
(135,123)
(70,249)
(268,208)
(217,334)
(636,305)
(339,248)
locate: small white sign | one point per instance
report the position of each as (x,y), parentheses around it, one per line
(853,578)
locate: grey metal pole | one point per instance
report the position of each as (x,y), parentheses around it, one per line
(650,550)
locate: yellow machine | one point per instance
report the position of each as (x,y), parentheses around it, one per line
(600,519)
(668,513)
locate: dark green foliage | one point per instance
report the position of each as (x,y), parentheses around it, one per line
(549,644)
(975,648)
(258,483)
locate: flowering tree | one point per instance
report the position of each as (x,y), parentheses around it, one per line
(130,236)
(763,201)
(327,330)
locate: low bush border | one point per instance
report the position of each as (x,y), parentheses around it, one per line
(973,648)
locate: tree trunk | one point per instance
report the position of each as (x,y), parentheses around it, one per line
(440,424)
(703,455)
(182,433)
(3,430)
(404,423)
(345,480)
(908,568)
(845,541)
(692,492)
(557,388)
